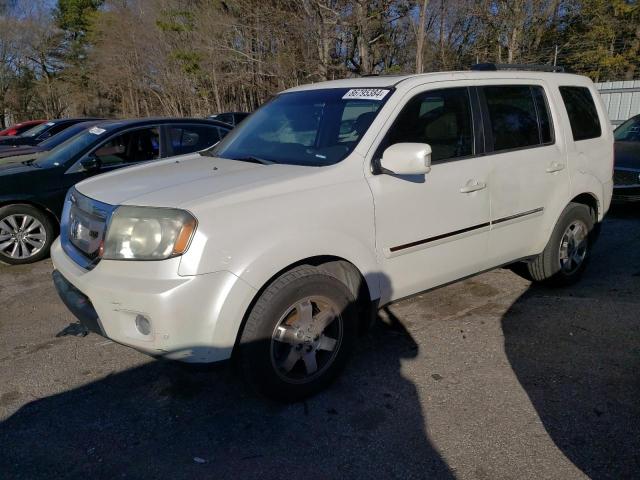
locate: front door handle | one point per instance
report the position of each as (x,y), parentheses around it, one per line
(473,186)
(555,167)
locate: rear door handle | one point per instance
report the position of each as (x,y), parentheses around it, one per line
(473,186)
(555,167)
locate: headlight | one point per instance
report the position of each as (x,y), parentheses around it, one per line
(148,233)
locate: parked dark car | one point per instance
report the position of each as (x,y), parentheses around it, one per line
(42,132)
(21,153)
(626,174)
(32,192)
(231,118)
(20,128)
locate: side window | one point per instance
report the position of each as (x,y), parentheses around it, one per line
(59,128)
(129,147)
(582,112)
(54,130)
(191,138)
(512,112)
(226,118)
(441,118)
(223,132)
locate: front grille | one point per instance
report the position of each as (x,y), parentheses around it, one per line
(86,230)
(622,178)
(83,228)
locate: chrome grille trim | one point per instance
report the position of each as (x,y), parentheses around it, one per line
(89,213)
(626,177)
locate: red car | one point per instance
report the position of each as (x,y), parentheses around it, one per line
(19,128)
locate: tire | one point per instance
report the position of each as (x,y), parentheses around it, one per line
(26,234)
(567,253)
(304,319)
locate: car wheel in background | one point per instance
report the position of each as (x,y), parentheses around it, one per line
(26,234)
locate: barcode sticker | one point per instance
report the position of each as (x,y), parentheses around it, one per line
(365,94)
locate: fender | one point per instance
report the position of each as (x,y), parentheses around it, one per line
(587,184)
(256,240)
(584,182)
(28,199)
(265,264)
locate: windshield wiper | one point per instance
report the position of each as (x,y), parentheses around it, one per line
(248,158)
(28,162)
(254,159)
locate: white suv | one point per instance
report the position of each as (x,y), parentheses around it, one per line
(330,201)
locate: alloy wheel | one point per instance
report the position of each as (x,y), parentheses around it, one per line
(21,236)
(306,339)
(573,247)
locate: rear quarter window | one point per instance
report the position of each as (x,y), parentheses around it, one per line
(192,138)
(583,116)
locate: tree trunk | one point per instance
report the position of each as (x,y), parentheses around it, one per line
(420,38)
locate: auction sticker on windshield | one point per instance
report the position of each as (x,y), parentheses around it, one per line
(365,94)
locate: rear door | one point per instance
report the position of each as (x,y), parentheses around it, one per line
(529,178)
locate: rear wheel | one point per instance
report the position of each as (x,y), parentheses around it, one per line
(299,334)
(26,234)
(565,257)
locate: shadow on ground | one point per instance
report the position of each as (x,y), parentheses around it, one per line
(166,420)
(579,362)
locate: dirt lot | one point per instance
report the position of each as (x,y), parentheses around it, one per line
(488,378)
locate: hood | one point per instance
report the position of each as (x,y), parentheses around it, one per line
(17,168)
(19,157)
(627,154)
(18,178)
(180,181)
(17,150)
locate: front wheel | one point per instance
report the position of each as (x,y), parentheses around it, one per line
(299,334)
(565,257)
(26,234)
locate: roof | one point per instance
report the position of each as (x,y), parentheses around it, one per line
(408,81)
(116,124)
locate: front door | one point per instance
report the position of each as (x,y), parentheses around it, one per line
(120,150)
(433,228)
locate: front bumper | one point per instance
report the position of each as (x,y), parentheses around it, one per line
(78,303)
(626,194)
(192,318)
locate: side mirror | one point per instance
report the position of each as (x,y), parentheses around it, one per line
(91,163)
(407,159)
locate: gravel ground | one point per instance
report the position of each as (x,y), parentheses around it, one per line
(487,378)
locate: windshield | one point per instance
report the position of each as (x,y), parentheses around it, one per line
(64,135)
(311,127)
(37,130)
(629,131)
(70,148)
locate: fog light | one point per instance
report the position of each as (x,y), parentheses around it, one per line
(143,324)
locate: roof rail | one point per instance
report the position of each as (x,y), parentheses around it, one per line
(494,67)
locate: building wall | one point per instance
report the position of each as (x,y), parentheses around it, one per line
(622,99)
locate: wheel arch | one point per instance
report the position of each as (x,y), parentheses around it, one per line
(591,201)
(55,221)
(341,269)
